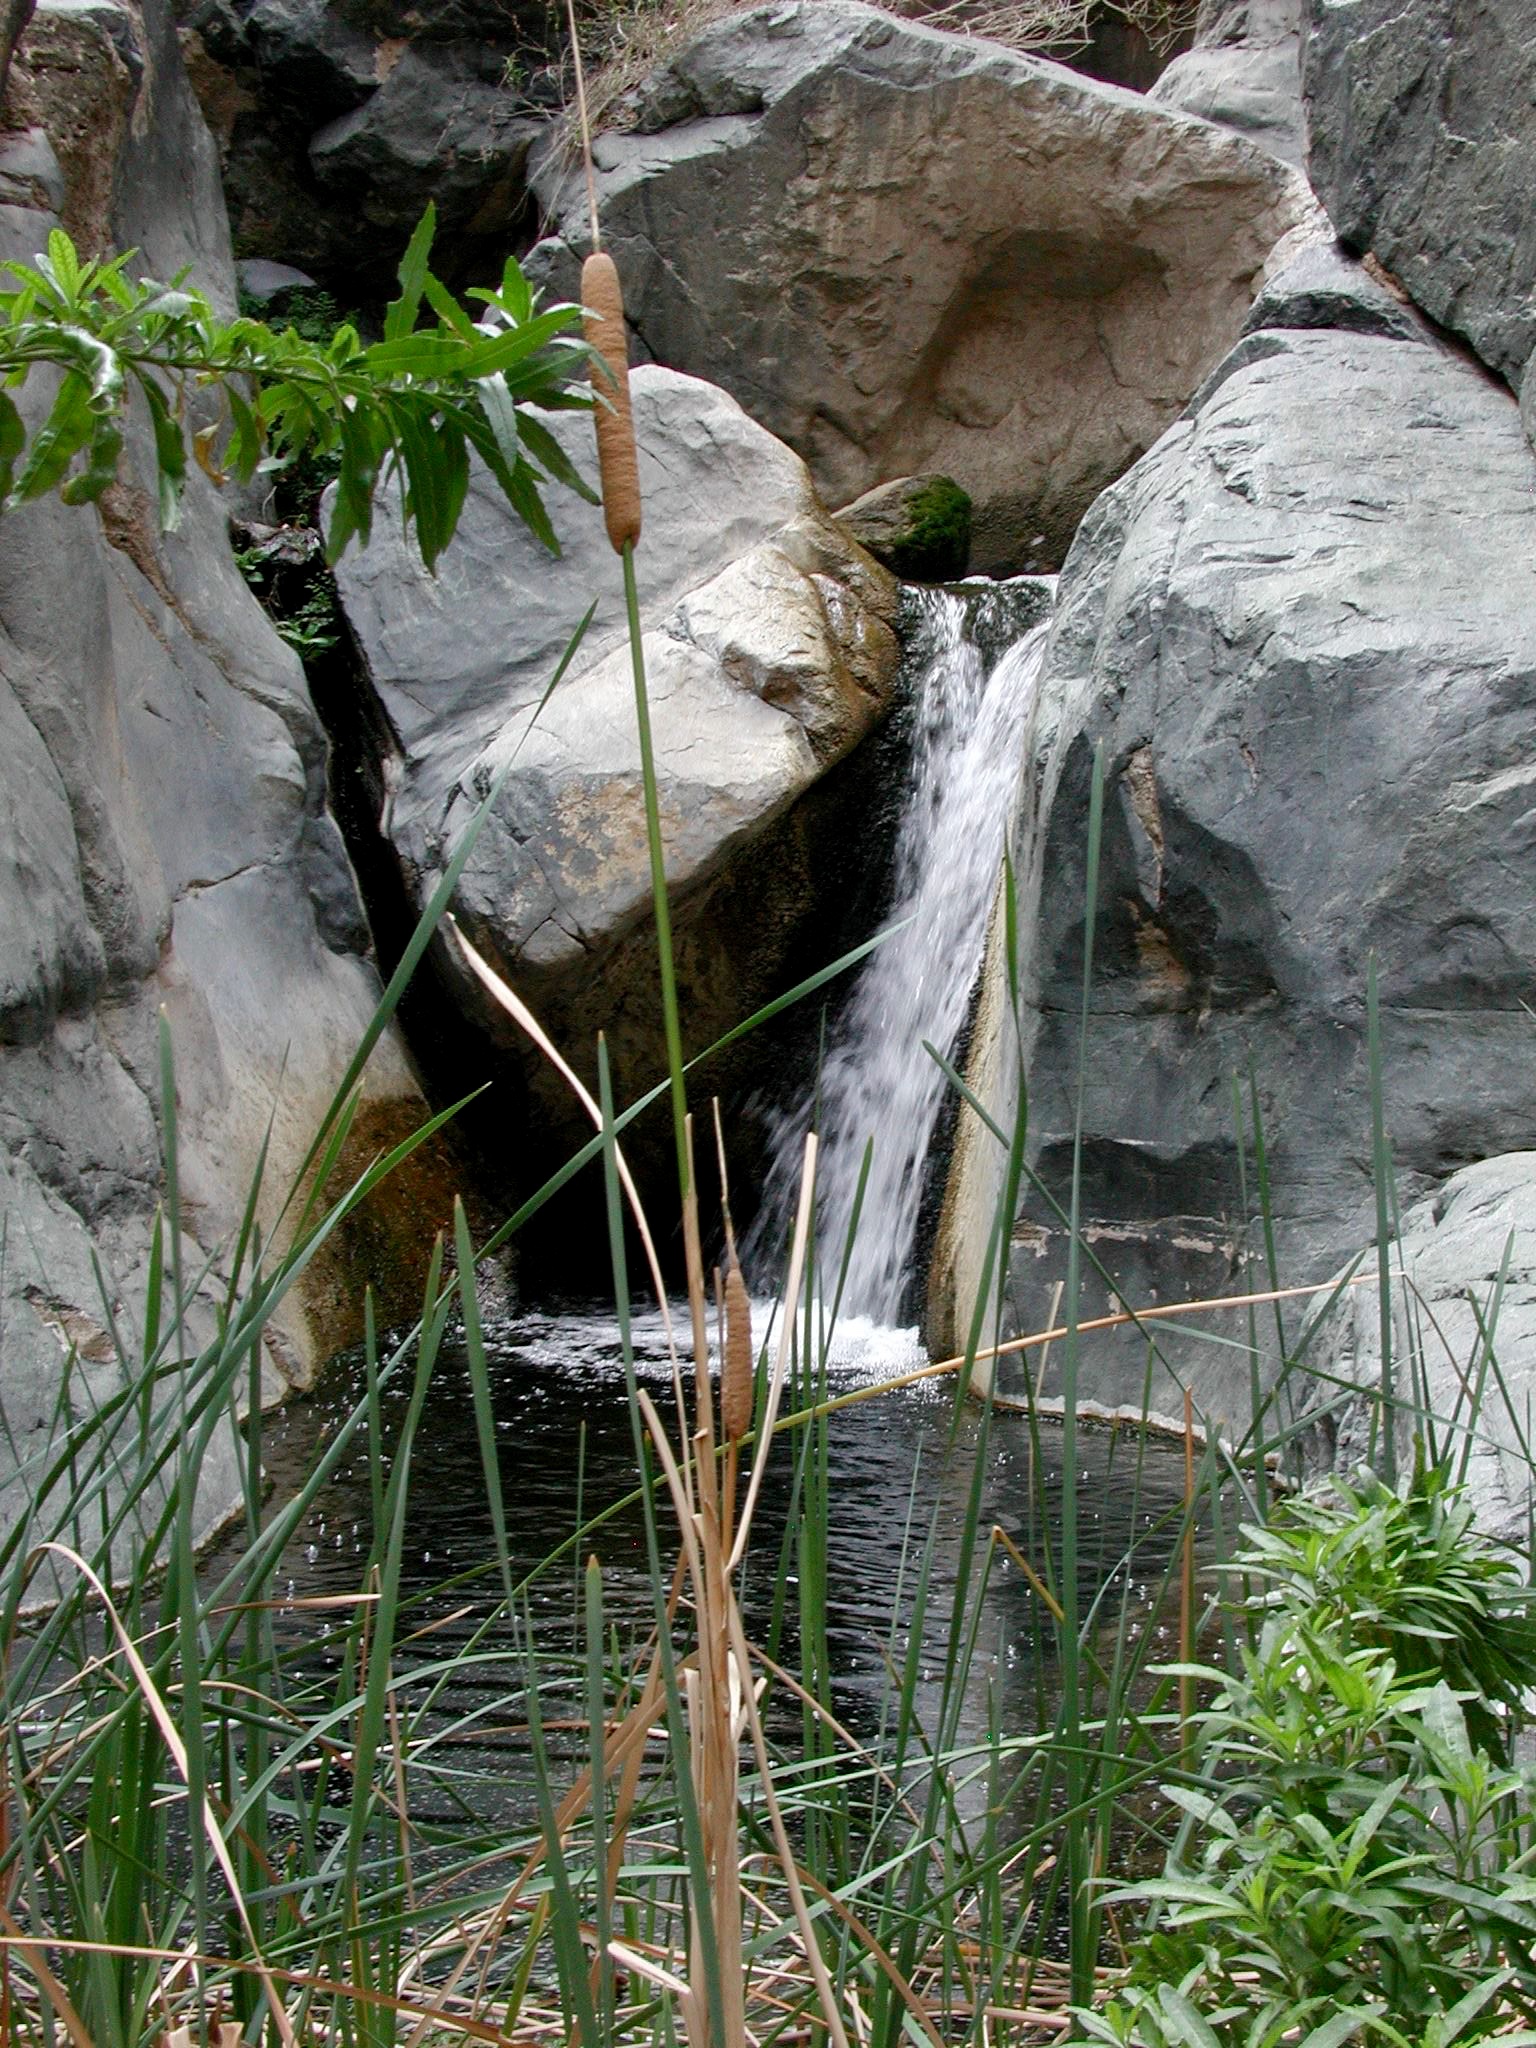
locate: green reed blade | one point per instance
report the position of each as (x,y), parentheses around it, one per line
(1080,1904)
(480,1396)
(1381,1175)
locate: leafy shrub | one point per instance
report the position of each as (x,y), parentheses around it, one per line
(1356,1856)
(413,404)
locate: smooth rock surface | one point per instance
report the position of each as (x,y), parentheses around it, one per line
(904,251)
(165,847)
(1244,72)
(1463,1280)
(769,652)
(1422,122)
(1304,629)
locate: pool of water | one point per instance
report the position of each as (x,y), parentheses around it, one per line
(899,1474)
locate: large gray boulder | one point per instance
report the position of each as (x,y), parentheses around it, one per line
(1462,1281)
(165,846)
(1304,631)
(1244,72)
(770,652)
(1423,149)
(908,251)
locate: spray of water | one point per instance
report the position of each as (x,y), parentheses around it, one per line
(879,1088)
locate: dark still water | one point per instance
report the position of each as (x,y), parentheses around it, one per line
(899,1471)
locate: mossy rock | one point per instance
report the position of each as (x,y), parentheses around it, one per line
(918,526)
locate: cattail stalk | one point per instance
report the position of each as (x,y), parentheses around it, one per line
(736,1359)
(617,463)
(737,1375)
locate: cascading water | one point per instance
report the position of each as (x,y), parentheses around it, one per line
(878,1085)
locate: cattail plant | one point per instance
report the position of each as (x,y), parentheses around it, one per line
(617,460)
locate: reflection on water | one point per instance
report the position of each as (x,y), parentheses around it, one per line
(899,1466)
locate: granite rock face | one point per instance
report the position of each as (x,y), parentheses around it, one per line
(1463,1275)
(769,650)
(1423,149)
(907,251)
(1310,657)
(165,844)
(1244,73)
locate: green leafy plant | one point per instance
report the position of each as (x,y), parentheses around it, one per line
(411,406)
(311,625)
(1353,1863)
(1409,1573)
(309,309)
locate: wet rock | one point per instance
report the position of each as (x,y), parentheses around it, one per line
(1463,1284)
(1309,653)
(770,652)
(1423,149)
(166,845)
(805,219)
(919,526)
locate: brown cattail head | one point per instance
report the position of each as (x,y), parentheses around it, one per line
(618,468)
(737,1375)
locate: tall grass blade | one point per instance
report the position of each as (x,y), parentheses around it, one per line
(1381,1175)
(1082,1915)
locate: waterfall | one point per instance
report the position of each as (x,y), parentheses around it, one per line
(877,1083)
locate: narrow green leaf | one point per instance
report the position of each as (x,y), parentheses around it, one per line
(513,350)
(547,452)
(106,445)
(1342,2027)
(421,356)
(352,510)
(529,507)
(453,454)
(63,434)
(64,263)
(400,316)
(247,443)
(1184,2023)
(480,1396)
(418,454)
(170,453)
(448,309)
(13,438)
(501,415)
